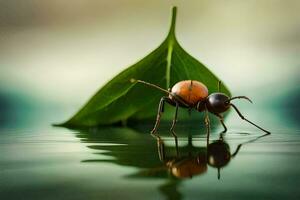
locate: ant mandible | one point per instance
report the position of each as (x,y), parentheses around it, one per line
(192,94)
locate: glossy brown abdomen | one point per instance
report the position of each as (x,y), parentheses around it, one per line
(188,168)
(190,91)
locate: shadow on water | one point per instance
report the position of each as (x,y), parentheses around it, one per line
(158,158)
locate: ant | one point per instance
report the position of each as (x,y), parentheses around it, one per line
(192,94)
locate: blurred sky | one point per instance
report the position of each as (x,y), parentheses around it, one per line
(58,53)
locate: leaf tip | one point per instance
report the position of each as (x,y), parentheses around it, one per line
(173,21)
(174,9)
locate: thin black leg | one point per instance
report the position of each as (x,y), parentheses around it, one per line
(174,121)
(240,114)
(159,113)
(176,145)
(236,151)
(221,118)
(250,141)
(161,150)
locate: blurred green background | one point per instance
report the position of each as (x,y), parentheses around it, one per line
(54,55)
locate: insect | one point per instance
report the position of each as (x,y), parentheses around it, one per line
(192,94)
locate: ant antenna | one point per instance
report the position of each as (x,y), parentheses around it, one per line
(219,174)
(149,84)
(239,97)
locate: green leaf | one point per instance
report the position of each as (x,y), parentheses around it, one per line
(120,100)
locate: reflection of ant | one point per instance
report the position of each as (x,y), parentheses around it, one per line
(217,155)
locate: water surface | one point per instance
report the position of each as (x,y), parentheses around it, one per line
(44,162)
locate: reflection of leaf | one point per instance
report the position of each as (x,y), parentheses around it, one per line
(120,100)
(126,147)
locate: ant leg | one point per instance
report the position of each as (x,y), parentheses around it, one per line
(161,150)
(174,120)
(237,150)
(221,118)
(240,114)
(207,123)
(250,141)
(159,114)
(176,145)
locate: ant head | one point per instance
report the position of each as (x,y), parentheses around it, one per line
(217,102)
